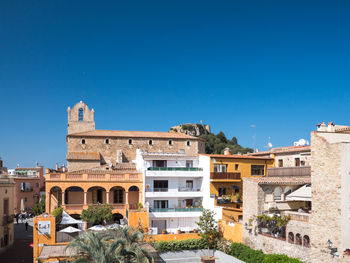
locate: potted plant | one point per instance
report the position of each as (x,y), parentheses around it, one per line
(163,231)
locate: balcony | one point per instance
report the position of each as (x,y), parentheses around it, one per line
(174,169)
(298,216)
(94,177)
(195,209)
(289,171)
(177,192)
(225,176)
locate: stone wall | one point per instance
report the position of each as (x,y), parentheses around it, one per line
(109,151)
(289,158)
(86,124)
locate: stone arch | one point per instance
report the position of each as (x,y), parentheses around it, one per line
(133,197)
(96,195)
(298,239)
(74,195)
(117,195)
(291,237)
(306,241)
(277,193)
(55,197)
(116,217)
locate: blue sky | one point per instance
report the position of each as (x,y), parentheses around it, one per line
(148,65)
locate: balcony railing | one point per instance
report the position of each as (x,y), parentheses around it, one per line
(298,216)
(94,177)
(225,176)
(174,169)
(160,190)
(195,209)
(187,189)
(289,171)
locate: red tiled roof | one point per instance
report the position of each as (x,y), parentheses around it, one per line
(134,134)
(282,180)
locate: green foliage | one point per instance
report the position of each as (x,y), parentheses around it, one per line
(39,207)
(246,254)
(208,228)
(215,144)
(117,246)
(187,244)
(97,214)
(275,258)
(57,213)
(186,127)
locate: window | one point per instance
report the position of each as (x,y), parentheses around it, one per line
(189,164)
(298,240)
(236,167)
(188,143)
(160,185)
(287,191)
(161,204)
(130,141)
(170,142)
(189,184)
(81,114)
(220,168)
(83,141)
(25,199)
(107,141)
(291,237)
(297,161)
(222,191)
(277,194)
(306,241)
(280,163)
(6,207)
(37,184)
(150,142)
(118,196)
(257,169)
(159,163)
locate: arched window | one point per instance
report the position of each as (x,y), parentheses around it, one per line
(291,237)
(170,142)
(298,240)
(306,241)
(118,196)
(150,142)
(83,141)
(130,141)
(107,141)
(188,143)
(277,194)
(81,114)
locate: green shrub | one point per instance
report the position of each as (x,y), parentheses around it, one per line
(57,212)
(246,254)
(187,244)
(275,258)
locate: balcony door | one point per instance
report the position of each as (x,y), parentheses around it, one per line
(161,204)
(159,224)
(189,185)
(159,163)
(160,185)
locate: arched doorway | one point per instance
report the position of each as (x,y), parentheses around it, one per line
(96,195)
(74,195)
(55,198)
(117,217)
(133,197)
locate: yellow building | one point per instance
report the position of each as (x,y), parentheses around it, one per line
(74,191)
(226,174)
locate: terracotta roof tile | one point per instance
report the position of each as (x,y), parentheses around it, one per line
(134,134)
(283,180)
(83,156)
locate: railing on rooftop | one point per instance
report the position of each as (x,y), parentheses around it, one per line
(289,171)
(225,176)
(194,209)
(94,177)
(174,169)
(298,216)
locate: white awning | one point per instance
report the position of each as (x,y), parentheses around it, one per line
(98,228)
(301,194)
(68,220)
(70,229)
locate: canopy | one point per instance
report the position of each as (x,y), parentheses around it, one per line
(70,229)
(68,220)
(113,226)
(301,194)
(97,228)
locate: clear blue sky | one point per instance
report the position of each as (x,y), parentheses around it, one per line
(148,65)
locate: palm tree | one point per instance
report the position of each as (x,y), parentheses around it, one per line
(114,246)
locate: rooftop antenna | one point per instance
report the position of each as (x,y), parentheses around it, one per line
(254,136)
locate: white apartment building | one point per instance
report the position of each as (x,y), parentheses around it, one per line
(173,190)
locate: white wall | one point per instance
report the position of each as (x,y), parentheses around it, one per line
(183,223)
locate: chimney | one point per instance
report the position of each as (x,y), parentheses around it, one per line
(56,167)
(227,151)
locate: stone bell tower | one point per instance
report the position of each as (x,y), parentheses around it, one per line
(80,118)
